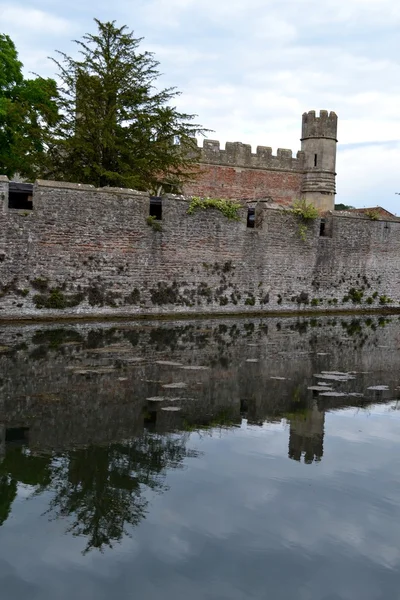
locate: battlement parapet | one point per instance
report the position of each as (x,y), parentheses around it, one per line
(237,154)
(324,126)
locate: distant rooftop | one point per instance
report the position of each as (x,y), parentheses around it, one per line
(377,209)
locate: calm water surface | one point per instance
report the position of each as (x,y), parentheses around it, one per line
(192,460)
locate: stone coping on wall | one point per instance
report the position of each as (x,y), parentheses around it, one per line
(342,214)
(88,187)
(85,187)
(268,204)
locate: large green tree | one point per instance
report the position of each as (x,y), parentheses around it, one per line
(28,112)
(118,128)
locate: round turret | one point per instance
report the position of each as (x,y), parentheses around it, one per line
(318,142)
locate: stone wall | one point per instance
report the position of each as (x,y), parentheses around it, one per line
(83,251)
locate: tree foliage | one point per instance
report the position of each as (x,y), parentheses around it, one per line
(118,129)
(28,113)
(305,212)
(343,206)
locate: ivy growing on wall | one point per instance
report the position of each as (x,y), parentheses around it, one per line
(306,213)
(228,208)
(154,223)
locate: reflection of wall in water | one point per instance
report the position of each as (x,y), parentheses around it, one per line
(71,391)
(306,436)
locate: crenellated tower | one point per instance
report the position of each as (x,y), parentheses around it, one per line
(318,142)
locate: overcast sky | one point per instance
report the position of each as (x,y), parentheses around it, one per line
(250,68)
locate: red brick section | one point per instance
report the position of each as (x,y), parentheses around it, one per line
(217,181)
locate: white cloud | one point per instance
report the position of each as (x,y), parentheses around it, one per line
(368,176)
(180,58)
(165,13)
(31,20)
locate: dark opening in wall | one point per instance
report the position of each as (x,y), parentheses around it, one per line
(251,217)
(386,231)
(17,435)
(322,228)
(20,195)
(150,420)
(315,160)
(156,207)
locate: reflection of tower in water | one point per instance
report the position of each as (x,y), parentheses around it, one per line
(306,436)
(2,442)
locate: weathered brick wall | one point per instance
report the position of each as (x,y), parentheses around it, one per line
(216,181)
(83,251)
(236,172)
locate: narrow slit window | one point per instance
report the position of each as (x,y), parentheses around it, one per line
(20,196)
(322,228)
(251,217)
(315,160)
(386,231)
(156,207)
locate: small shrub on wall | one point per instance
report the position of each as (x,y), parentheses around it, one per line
(227,207)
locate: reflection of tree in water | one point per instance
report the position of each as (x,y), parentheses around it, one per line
(19,466)
(103,488)
(8,492)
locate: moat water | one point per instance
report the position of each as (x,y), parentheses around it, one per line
(234,459)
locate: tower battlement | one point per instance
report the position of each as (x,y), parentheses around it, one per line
(238,171)
(324,126)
